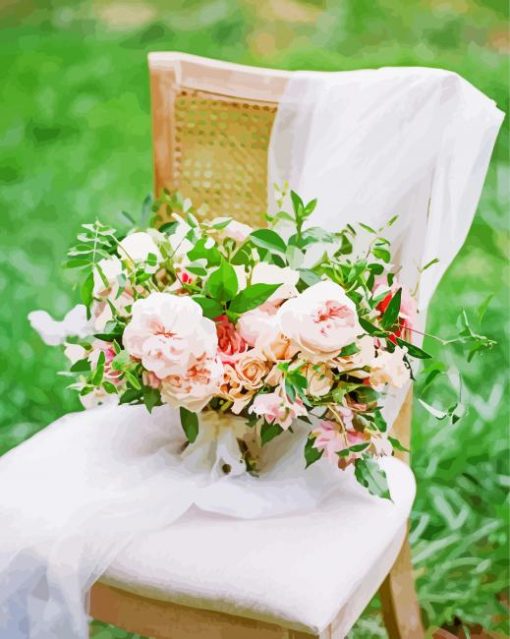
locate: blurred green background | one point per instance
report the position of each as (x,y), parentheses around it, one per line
(75,143)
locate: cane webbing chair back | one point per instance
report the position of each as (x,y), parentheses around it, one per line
(211,126)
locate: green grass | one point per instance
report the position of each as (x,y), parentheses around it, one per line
(76,143)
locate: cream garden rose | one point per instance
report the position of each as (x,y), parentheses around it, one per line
(194,387)
(389,368)
(321,321)
(168,333)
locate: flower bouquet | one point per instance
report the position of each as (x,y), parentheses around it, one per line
(217,318)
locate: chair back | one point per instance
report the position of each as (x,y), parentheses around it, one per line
(211,128)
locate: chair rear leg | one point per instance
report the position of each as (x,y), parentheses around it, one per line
(400,608)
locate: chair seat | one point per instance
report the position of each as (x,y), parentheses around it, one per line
(299,571)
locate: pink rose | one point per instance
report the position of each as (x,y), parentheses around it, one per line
(98,347)
(169,334)
(331,439)
(277,408)
(195,387)
(321,321)
(230,342)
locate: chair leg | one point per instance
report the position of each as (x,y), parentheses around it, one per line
(400,608)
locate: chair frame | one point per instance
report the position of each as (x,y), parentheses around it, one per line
(163,620)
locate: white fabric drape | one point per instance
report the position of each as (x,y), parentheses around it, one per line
(368,144)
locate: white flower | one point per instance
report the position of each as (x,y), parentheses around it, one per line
(98,397)
(74,353)
(264,273)
(321,320)
(235,230)
(195,387)
(111,268)
(168,333)
(253,324)
(364,357)
(138,246)
(53,333)
(389,368)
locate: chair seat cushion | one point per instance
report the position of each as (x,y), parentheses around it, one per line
(299,570)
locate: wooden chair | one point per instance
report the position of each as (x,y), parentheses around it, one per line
(211,126)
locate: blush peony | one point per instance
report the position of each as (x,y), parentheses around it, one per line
(169,333)
(321,321)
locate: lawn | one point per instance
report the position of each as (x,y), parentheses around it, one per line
(76,143)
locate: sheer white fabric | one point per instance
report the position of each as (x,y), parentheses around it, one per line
(369,145)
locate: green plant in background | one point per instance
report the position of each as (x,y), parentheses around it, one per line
(75,142)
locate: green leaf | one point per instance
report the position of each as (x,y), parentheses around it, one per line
(310,207)
(151,397)
(414,351)
(350,349)
(269,432)
(210,308)
(357,448)
(222,283)
(312,454)
(371,329)
(133,380)
(97,378)
(308,276)
(130,395)
(121,361)
(189,423)
(201,251)
(367,228)
(81,366)
(268,239)
(370,475)
(86,290)
(251,297)
(397,445)
(482,309)
(110,388)
(381,254)
(392,311)
(297,204)
(429,264)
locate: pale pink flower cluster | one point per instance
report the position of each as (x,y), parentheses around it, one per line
(177,345)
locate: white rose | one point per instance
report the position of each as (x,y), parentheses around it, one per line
(321,320)
(168,332)
(138,246)
(195,387)
(389,368)
(271,274)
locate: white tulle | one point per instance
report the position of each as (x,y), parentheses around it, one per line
(369,145)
